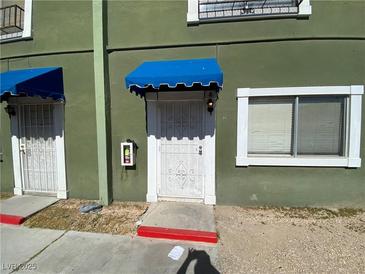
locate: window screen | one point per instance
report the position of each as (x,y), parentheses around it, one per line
(320,125)
(270,127)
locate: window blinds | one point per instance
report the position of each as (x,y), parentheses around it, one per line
(270,126)
(320,125)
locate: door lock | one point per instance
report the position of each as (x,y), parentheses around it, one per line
(22,148)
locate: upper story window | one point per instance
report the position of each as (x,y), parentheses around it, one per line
(15,19)
(215,10)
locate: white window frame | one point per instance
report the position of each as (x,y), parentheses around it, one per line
(305,9)
(352,159)
(27,31)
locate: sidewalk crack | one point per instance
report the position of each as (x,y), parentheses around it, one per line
(20,266)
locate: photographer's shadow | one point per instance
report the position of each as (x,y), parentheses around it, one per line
(203,263)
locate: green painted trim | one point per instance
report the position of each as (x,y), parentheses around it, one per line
(168,46)
(48,54)
(235,42)
(11,40)
(101,98)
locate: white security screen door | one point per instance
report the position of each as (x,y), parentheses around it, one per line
(37,145)
(181,149)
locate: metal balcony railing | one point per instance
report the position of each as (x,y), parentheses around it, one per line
(11,19)
(209,9)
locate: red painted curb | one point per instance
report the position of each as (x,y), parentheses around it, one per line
(11,219)
(177,234)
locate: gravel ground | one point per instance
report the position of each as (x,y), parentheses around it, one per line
(5,195)
(283,240)
(117,218)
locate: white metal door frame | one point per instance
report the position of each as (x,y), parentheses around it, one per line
(58,113)
(152,100)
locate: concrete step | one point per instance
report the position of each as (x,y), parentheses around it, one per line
(179,221)
(177,234)
(11,219)
(17,209)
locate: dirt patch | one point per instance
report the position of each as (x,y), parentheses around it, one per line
(5,195)
(118,218)
(315,213)
(290,240)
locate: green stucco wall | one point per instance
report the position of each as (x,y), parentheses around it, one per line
(304,63)
(6,175)
(62,36)
(326,49)
(57,27)
(80,142)
(157,23)
(129,116)
(301,63)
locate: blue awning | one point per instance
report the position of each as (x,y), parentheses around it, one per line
(203,72)
(43,82)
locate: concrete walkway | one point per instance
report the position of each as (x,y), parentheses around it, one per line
(24,206)
(179,221)
(52,251)
(180,215)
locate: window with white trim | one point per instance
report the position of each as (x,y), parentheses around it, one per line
(216,10)
(302,126)
(15,19)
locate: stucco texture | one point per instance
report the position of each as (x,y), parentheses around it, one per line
(326,49)
(276,64)
(80,140)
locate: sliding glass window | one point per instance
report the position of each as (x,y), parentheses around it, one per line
(297,125)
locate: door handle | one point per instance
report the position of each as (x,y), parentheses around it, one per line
(200,150)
